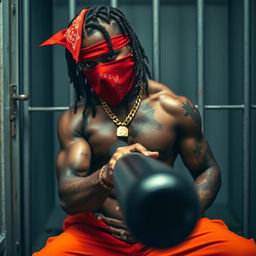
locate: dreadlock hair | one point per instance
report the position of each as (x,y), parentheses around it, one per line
(106,14)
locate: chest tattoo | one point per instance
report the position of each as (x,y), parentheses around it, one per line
(144,121)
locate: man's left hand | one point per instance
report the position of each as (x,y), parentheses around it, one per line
(118,229)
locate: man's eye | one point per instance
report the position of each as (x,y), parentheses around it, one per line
(110,57)
(89,65)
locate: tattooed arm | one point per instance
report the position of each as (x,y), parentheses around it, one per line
(197,156)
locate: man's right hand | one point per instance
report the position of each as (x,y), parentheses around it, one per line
(121,151)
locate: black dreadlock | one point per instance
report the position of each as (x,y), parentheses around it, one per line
(106,14)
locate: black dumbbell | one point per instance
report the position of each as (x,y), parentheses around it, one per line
(160,206)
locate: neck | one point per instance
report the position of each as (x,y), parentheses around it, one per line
(122,109)
(128,102)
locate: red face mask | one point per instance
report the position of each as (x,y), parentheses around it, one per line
(111,81)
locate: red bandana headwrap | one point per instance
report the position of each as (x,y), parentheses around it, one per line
(71,37)
(111,81)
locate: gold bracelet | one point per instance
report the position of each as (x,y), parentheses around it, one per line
(102,183)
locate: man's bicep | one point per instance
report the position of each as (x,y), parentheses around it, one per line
(75,155)
(74,160)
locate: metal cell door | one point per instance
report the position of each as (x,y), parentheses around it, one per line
(11,85)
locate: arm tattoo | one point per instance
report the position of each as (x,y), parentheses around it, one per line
(205,181)
(193,112)
(144,121)
(207,186)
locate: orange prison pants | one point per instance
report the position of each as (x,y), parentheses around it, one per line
(85,235)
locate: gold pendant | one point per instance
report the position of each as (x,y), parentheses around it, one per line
(122,131)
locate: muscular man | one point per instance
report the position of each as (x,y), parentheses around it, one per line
(117,102)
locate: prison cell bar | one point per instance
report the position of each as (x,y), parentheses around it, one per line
(206,107)
(114,3)
(71,9)
(246,119)
(156,39)
(200,59)
(71,15)
(26,130)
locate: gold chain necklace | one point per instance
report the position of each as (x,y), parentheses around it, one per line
(122,129)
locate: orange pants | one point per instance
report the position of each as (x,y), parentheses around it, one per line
(85,235)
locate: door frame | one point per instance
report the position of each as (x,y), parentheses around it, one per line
(10,146)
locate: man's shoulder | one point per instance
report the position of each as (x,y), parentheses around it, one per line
(167,98)
(71,119)
(71,113)
(179,107)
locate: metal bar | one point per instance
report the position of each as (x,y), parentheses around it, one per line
(206,107)
(227,106)
(47,108)
(2,139)
(2,244)
(71,15)
(200,58)
(223,107)
(71,9)
(5,125)
(246,121)
(114,3)
(16,174)
(26,131)
(156,39)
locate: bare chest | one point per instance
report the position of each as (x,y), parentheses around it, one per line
(152,127)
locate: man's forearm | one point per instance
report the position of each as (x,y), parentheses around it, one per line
(82,194)
(207,186)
